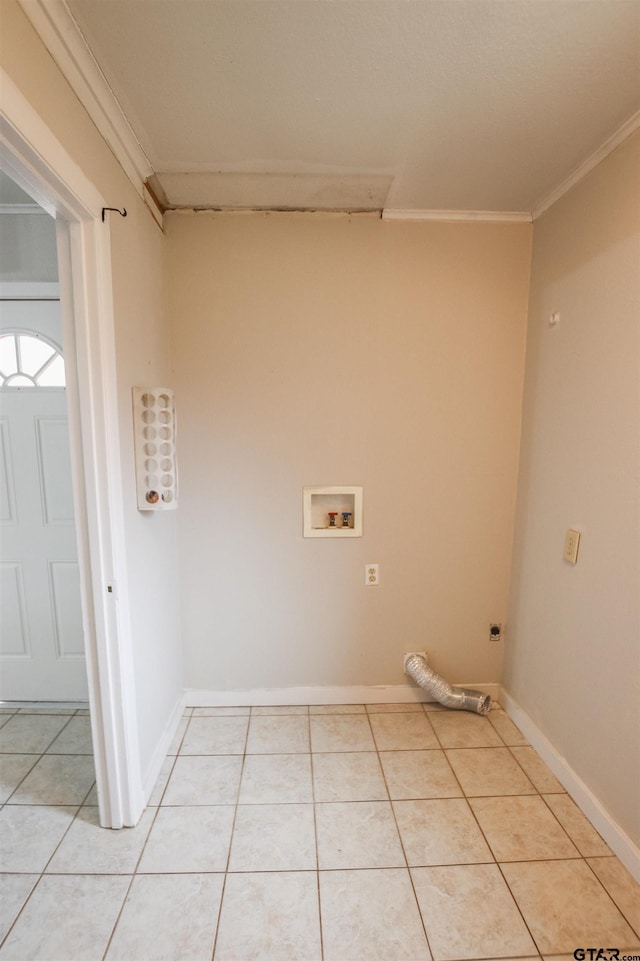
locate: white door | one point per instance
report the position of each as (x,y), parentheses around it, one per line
(41,634)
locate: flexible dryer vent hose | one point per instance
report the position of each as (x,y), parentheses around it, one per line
(460,698)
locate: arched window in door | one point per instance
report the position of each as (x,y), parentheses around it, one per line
(30,360)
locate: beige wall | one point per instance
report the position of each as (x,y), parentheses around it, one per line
(573,645)
(142,358)
(319,349)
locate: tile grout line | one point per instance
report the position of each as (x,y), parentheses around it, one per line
(51,856)
(510,748)
(315,832)
(395,821)
(486,840)
(20,782)
(562,827)
(71,822)
(132,878)
(38,756)
(20,912)
(231,837)
(636,931)
(37,882)
(502,875)
(134,873)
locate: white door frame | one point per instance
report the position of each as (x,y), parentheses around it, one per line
(38,162)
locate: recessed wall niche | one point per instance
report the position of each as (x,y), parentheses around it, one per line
(154,431)
(332,511)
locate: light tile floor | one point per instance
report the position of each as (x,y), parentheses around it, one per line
(343,833)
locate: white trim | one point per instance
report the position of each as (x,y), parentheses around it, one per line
(24,134)
(454,216)
(62,37)
(611,143)
(88,310)
(38,161)
(154,767)
(29,290)
(357,694)
(619,842)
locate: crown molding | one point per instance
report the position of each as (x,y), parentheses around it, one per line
(60,33)
(469,216)
(623,133)
(54,23)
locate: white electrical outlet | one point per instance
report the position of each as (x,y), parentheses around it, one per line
(571,545)
(371,575)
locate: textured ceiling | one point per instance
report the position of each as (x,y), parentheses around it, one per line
(405,104)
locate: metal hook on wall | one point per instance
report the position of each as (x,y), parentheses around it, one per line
(116,210)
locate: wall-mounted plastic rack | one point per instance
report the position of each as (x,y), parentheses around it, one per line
(332,511)
(154,432)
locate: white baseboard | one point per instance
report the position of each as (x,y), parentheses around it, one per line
(357,694)
(619,842)
(160,754)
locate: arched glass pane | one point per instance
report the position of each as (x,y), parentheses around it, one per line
(8,359)
(34,354)
(19,380)
(30,361)
(53,375)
